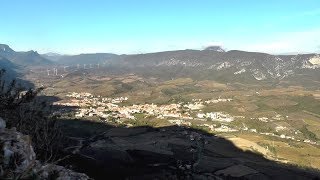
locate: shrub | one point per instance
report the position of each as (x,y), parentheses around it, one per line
(21,110)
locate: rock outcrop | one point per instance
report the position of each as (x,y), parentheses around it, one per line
(18,159)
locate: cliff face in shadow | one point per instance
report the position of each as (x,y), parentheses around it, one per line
(106,152)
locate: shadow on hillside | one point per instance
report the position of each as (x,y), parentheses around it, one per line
(104,151)
(14,72)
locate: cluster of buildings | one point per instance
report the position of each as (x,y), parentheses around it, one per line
(277,117)
(197,104)
(194,106)
(214,101)
(216,116)
(222,128)
(90,105)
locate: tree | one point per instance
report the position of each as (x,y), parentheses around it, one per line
(13,95)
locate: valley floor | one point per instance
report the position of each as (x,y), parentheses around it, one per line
(280,122)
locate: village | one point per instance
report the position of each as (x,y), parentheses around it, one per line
(90,106)
(105,109)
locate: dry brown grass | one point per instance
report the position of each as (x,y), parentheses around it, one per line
(211,85)
(279,102)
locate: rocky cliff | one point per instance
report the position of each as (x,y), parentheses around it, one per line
(18,160)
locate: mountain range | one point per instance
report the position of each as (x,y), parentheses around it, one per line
(29,58)
(211,63)
(79,59)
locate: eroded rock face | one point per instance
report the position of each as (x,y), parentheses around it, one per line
(17,155)
(18,159)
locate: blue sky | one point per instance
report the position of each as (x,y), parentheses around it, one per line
(140,26)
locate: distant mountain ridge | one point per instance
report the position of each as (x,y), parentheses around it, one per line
(214,48)
(230,66)
(52,56)
(5,49)
(29,58)
(211,63)
(80,59)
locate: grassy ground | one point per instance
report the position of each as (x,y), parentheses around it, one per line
(298,153)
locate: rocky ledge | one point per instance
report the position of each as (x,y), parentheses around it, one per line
(18,160)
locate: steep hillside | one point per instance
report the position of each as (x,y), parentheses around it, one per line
(212,63)
(29,58)
(231,66)
(9,67)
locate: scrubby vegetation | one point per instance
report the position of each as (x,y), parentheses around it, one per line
(23,111)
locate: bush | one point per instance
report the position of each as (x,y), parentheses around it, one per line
(21,110)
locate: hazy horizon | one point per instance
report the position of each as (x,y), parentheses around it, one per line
(134,27)
(134,53)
